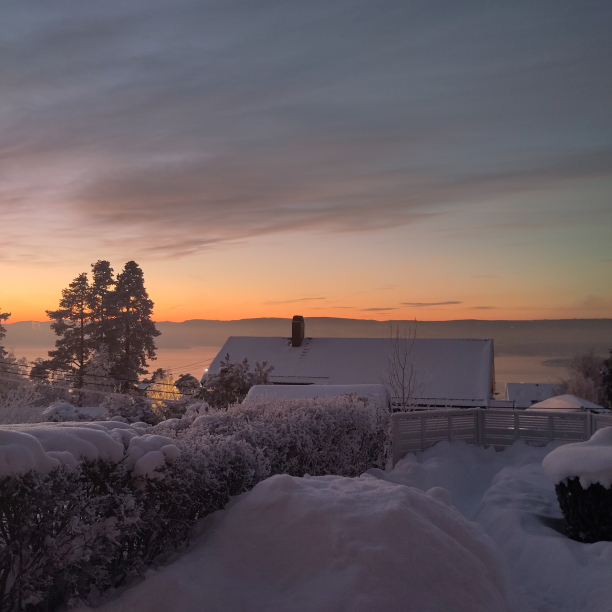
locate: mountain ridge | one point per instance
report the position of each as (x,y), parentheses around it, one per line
(554,337)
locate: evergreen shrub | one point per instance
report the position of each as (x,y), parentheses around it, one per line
(587,512)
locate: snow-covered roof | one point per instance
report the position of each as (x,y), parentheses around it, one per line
(450,372)
(525,394)
(376,394)
(566,402)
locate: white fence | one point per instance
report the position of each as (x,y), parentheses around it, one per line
(416,431)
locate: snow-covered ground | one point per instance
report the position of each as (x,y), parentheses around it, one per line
(389,541)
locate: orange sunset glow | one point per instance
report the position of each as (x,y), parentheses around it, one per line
(379,173)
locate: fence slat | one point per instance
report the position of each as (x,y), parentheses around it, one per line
(415,432)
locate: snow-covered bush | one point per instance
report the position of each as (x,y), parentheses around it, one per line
(131,408)
(60,412)
(582,474)
(87,504)
(336,435)
(232,382)
(20,403)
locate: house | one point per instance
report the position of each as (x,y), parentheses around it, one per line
(523,395)
(446,373)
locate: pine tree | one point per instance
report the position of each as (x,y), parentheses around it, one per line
(3,317)
(72,323)
(135,329)
(103,308)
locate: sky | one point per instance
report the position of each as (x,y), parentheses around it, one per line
(395,159)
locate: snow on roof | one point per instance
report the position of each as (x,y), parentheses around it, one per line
(374,393)
(525,394)
(457,371)
(591,461)
(566,402)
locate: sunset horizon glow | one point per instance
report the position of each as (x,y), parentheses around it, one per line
(408,160)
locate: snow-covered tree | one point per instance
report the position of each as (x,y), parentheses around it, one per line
(136,332)
(72,323)
(97,371)
(162,386)
(187,384)
(233,381)
(585,377)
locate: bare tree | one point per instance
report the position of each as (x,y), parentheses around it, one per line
(400,376)
(585,377)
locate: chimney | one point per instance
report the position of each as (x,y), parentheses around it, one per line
(297,330)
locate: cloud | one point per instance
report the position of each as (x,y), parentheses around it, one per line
(376,309)
(175,127)
(304,299)
(597,302)
(484,307)
(423,304)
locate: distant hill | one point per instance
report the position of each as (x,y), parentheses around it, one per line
(555,338)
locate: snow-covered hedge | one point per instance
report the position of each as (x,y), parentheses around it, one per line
(342,435)
(86,505)
(582,474)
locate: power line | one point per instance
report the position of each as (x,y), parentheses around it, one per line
(72,374)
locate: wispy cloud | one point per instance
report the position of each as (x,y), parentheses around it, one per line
(377,309)
(175,127)
(424,304)
(304,299)
(483,307)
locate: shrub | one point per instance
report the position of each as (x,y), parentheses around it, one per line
(130,408)
(74,532)
(340,435)
(232,382)
(587,512)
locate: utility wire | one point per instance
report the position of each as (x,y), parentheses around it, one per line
(72,374)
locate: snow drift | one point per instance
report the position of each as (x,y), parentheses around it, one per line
(330,543)
(590,461)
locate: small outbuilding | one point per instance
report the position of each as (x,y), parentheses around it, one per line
(523,395)
(567,403)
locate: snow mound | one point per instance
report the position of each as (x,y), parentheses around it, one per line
(329,544)
(63,411)
(20,453)
(149,453)
(44,446)
(591,461)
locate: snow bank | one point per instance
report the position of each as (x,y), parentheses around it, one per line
(508,494)
(42,447)
(591,461)
(63,411)
(329,544)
